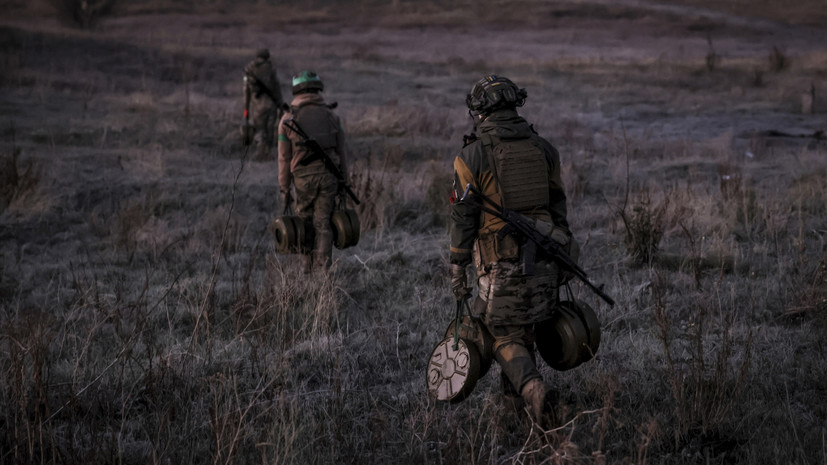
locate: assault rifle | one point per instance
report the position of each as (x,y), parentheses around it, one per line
(318,153)
(527,229)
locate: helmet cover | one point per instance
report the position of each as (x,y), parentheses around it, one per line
(307,81)
(493,93)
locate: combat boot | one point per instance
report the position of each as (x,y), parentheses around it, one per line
(509,397)
(539,401)
(323,254)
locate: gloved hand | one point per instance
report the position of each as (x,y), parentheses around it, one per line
(459,282)
(559,235)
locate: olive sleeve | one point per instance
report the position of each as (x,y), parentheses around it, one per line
(464,217)
(285,146)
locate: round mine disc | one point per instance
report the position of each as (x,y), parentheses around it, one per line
(471,330)
(592,325)
(284,233)
(452,374)
(345,228)
(561,339)
(341,227)
(355,227)
(289,234)
(301,233)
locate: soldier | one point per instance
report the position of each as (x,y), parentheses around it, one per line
(262,89)
(316,187)
(516,168)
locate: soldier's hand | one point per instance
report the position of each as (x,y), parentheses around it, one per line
(459,282)
(559,235)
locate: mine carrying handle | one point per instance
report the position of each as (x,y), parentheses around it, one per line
(319,154)
(523,226)
(288,205)
(462,304)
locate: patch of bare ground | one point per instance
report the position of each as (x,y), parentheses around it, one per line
(145,316)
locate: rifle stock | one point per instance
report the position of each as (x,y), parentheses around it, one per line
(525,228)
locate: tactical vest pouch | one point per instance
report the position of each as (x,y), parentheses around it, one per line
(515,298)
(506,247)
(492,249)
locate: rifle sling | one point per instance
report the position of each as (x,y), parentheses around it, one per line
(318,153)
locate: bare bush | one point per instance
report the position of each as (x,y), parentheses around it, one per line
(17,182)
(706,383)
(644,226)
(27,400)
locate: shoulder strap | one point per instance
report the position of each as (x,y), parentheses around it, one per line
(488,142)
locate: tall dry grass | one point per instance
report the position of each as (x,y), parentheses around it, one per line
(145,317)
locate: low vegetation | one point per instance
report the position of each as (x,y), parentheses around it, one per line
(146,318)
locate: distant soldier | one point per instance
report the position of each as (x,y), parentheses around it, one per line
(518,169)
(262,101)
(315,185)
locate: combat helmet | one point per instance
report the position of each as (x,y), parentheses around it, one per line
(493,93)
(307,81)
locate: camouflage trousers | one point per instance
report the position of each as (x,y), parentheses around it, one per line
(264,116)
(514,352)
(511,302)
(513,298)
(315,198)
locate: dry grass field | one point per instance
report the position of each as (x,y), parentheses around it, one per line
(146,318)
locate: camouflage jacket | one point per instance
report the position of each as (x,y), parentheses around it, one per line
(320,123)
(472,166)
(260,74)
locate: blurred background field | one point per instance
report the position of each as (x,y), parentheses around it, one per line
(146,318)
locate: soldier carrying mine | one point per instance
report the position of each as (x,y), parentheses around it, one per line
(507,161)
(316,186)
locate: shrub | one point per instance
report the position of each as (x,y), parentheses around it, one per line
(644,226)
(16,181)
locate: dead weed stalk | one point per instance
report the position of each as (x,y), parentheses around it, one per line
(706,385)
